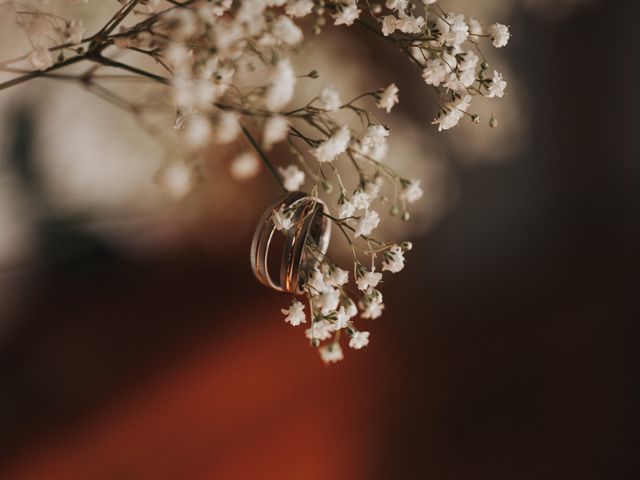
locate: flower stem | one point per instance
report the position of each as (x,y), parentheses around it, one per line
(262,155)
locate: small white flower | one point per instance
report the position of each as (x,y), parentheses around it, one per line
(389,25)
(452,117)
(331,353)
(336,144)
(280,92)
(299,8)
(245,166)
(367,223)
(368,279)
(346,210)
(286,31)
(375,136)
(350,308)
(176,180)
(435,72)
(469,61)
(282,218)
(393,259)
(197,130)
(329,99)
(227,127)
(337,277)
(411,191)
(316,282)
(372,189)
(499,34)
(372,310)
(458,31)
(295,313)
(398,5)
(40,58)
(276,129)
(328,300)
(292,177)
(342,319)
(475,28)
(497,86)
(321,330)
(409,23)
(360,200)
(347,15)
(359,340)
(388,98)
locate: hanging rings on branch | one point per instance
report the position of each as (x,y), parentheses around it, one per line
(309,228)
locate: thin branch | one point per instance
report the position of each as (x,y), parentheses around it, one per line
(262,155)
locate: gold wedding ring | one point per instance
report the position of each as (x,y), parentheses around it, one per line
(310,228)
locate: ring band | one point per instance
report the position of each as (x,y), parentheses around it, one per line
(310,225)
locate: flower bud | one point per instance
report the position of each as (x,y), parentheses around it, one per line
(405,216)
(406,246)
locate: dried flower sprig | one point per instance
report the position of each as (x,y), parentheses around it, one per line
(227,68)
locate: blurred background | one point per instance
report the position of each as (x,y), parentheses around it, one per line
(135,343)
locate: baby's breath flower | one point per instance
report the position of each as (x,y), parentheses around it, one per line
(280,92)
(409,23)
(299,8)
(176,179)
(197,130)
(497,85)
(360,200)
(372,310)
(276,129)
(316,282)
(282,218)
(457,32)
(367,223)
(245,166)
(455,111)
(347,14)
(375,136)
(388,98)
(411,190)
(320,330)
(328,300)
(329,99)
(359,340)
(227,127)
(499,34)
(40,58)
(292,177)
(342,319)
(337,277)
(295,313)
(367,278)
(335,145)
(435,72)
(393,259)
(331,353)
(389,23)
(346,209)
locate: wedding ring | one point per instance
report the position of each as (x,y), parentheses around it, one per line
(310,227)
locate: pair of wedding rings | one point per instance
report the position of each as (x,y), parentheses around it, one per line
(310,228)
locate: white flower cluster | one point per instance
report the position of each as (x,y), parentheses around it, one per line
(444,46)
(229,76)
